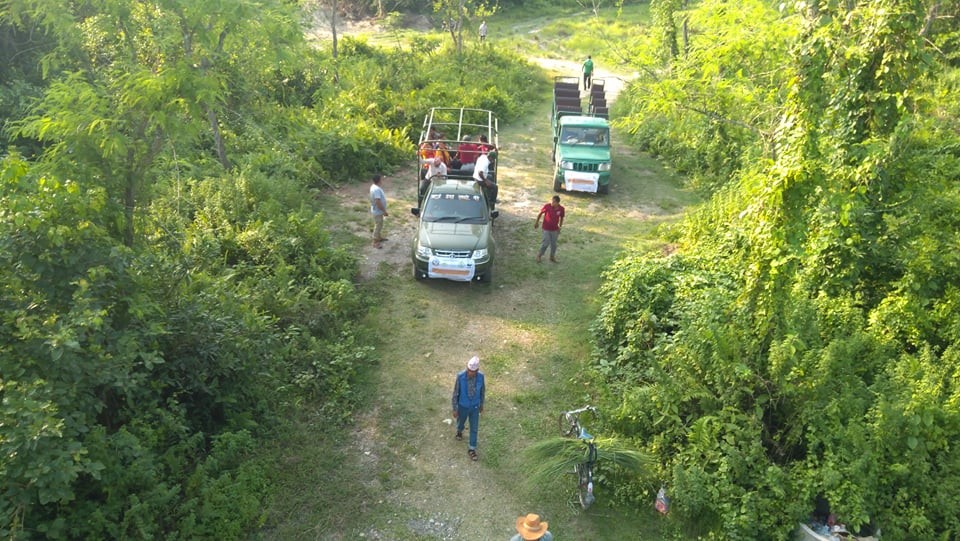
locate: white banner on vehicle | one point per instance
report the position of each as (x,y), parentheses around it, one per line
(578,181)
(461,269)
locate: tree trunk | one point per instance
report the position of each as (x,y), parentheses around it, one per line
(460,29)
(686,36)
(129,204)
(931,16)
(218,138)
(333,27)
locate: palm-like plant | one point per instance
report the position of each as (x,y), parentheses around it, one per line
(553,457)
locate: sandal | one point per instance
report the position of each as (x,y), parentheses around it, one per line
(459,436)
(473,455)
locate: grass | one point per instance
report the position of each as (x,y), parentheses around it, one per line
(571,34)
(397,466)
(547,31)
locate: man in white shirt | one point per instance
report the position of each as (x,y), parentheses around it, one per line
(436,168)
(378,208)
(481,173)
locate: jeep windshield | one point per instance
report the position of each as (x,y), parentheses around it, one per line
(455,208)
(574,135)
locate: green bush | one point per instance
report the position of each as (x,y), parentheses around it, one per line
(806,350)
(711,107)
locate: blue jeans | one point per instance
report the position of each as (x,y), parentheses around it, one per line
(474,414)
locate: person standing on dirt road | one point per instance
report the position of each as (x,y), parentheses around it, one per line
(531,528)
(378,208)
(469,390)
(588,73)
(552,214)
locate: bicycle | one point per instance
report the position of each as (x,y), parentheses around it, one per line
(570,427)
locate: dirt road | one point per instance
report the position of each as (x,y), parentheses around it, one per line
(403,475)
(530,330)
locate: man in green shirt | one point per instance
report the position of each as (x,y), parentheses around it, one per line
(587,73)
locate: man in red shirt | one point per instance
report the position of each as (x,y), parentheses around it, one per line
(552,214)
(467,154)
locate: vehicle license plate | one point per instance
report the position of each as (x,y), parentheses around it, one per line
(452,268)
(579,181)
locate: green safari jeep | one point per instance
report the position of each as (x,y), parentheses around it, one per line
(582,154)
(454,238)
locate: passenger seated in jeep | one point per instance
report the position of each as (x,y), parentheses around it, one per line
(485,146)
(466,155)
(435,168)
(430,150)
(571,136)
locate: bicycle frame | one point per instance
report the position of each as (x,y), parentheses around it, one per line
(570,427)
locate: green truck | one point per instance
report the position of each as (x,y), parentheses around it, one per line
(581,137)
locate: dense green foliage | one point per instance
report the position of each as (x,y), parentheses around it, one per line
(709,102)
(367,8)
(168,291)
(802,339)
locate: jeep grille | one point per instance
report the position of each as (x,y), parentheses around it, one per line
(453,253)
(588,167)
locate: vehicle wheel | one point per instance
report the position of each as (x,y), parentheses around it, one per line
(557,185)
(603,188)
(568,428)
(584,485)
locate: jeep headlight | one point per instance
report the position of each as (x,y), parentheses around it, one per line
(480,254)
(566,165)
(604,166)
(424,251)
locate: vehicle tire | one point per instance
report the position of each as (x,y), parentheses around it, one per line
(603,189)
(584,484)
(568,429)
(557,185)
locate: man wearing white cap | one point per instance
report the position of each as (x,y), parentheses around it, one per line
(467,402)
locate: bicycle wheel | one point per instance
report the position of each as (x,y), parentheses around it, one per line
(569,428)
(585,484)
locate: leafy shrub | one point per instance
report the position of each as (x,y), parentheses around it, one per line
(711,108)
(803,351)
(224,496)
(152,356)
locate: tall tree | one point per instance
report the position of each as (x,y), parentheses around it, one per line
(145,78)
(456,13)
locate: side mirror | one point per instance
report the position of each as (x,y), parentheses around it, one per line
(415,211)
(494,214)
